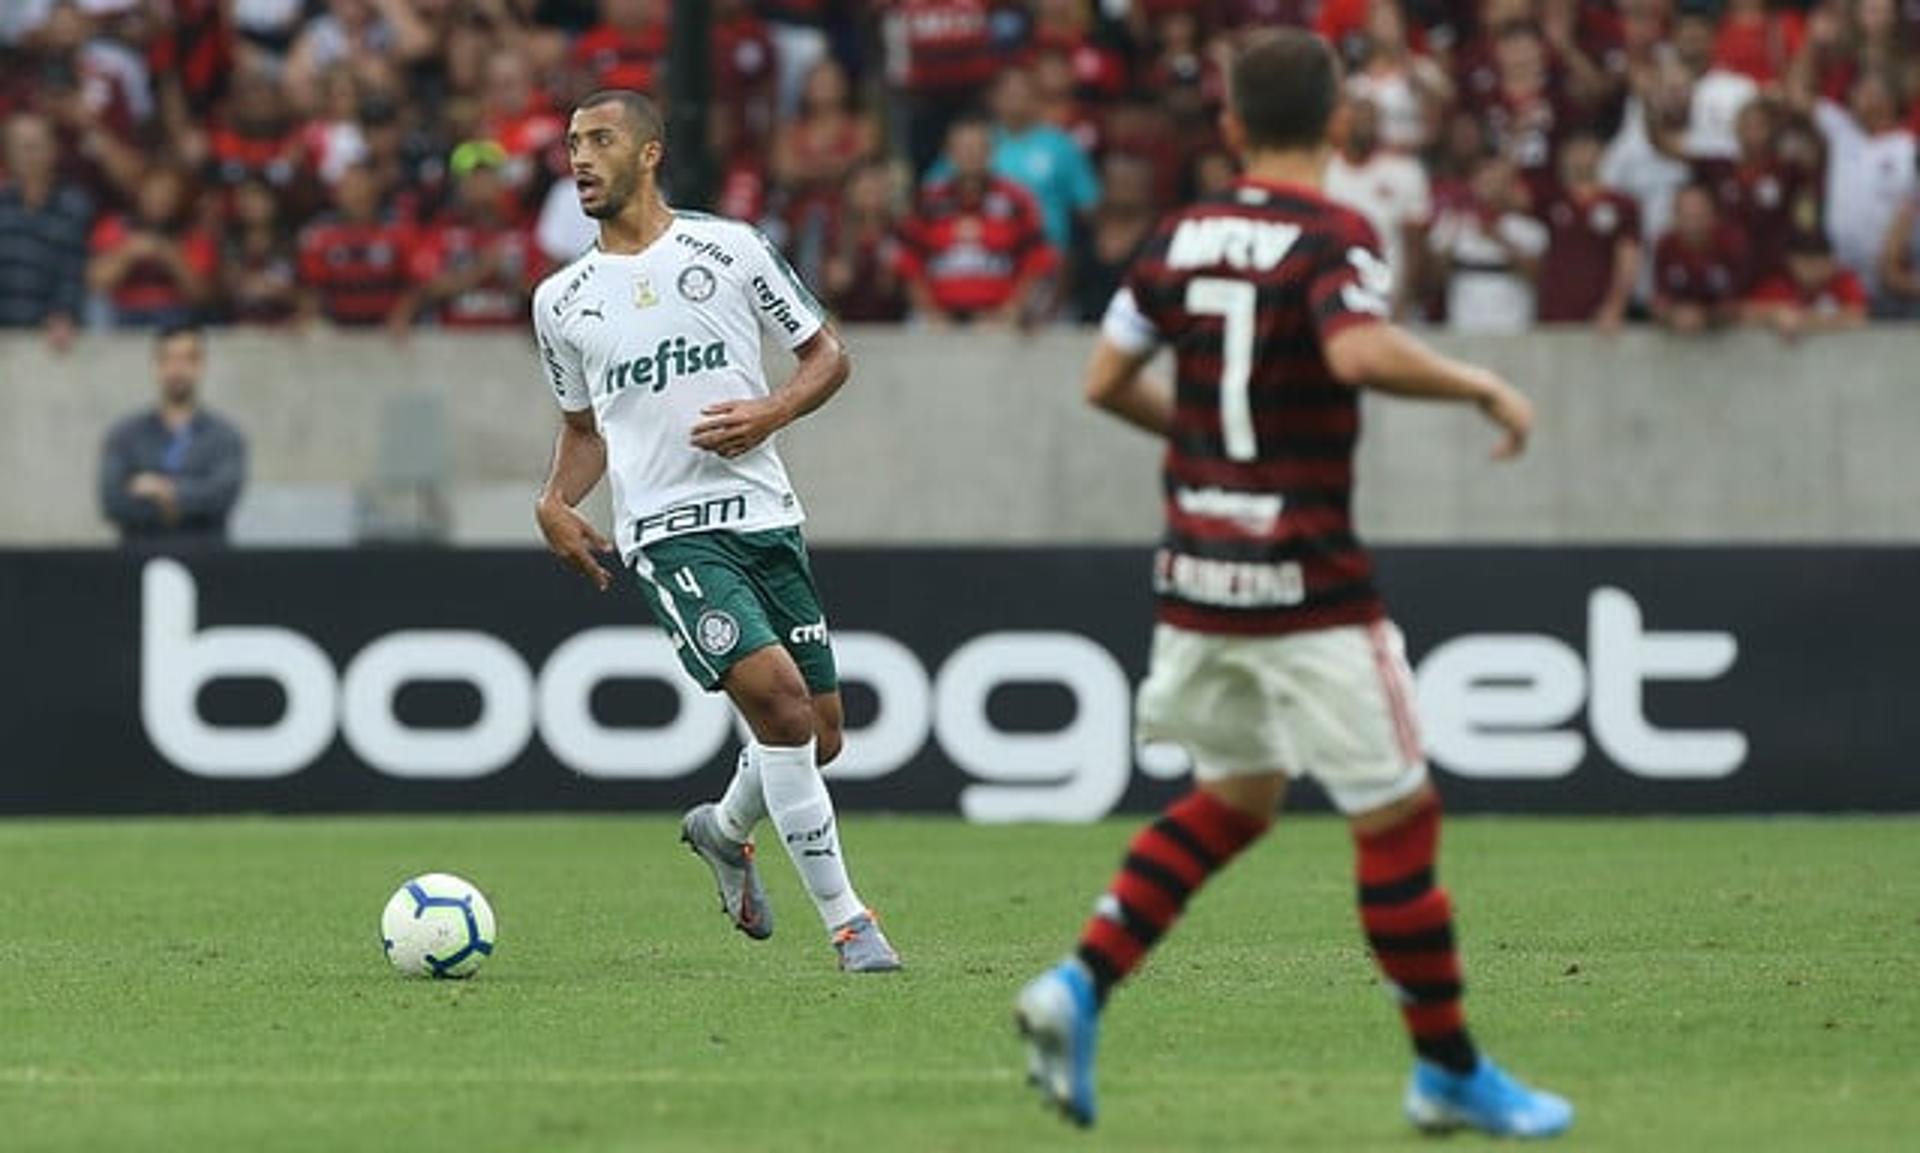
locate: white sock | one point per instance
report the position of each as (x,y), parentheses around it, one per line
(798,803)
(743,804)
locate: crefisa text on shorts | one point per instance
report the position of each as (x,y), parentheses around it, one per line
(1493,705)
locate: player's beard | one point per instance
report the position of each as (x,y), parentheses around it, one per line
(615,195)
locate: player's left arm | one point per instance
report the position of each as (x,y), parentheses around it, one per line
(791,314)
(735,427)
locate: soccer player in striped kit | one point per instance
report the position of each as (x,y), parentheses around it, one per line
(1273,655)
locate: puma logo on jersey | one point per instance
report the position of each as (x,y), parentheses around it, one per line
(675,357)
(1248,245)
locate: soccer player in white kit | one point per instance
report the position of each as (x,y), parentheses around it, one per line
(652,344)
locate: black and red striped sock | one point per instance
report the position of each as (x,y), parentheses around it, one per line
(1166,863)
(1409,924)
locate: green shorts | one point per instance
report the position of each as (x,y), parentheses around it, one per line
(724,595)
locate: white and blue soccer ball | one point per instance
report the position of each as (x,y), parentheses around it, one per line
(437,925)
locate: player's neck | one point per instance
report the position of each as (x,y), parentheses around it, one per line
(1305,169)
(643,221)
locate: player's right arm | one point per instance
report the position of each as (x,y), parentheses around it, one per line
(579,458)
(1117,380)
(1350,300)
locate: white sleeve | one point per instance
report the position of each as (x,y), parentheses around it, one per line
(1525,233)
(1836,124)
(564,372)
(1127,328)
(787,311)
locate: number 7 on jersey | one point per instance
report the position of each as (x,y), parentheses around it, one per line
(1234,302)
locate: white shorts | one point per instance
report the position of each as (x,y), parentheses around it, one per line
(1333,704)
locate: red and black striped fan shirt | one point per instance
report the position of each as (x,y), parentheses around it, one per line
(1258,475)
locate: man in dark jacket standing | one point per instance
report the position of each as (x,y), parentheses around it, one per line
(170,476)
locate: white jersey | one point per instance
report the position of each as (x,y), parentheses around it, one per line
(650,339)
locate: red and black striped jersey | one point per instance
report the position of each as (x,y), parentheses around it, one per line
(359,269)
(972,247)
(1247,289)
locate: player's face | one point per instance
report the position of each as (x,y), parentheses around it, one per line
(178,362)
(609,160)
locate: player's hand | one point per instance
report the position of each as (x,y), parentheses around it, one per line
(1507,407)
(735,427)
(574,540)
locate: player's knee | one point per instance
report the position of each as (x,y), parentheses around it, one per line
(829,742)
(783,716)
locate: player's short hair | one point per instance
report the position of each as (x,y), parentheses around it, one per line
(174,329)
(1283,85)
(640,110)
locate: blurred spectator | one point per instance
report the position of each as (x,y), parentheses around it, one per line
(170,476)
(1586,42)
(518,118)
(1758,40)
(1388,188)
(1811,293)
(1214,174)
(1718,94)
(258,277)
(861,272)
(191,57)
(354,262)
(477,266)
(800,43)
(1039,157)
(1409,89)
(1699,266)
(1848,39)
(154,267)
(940,53)
(1767,198)
(43,235)
(256,138)
(563,230)
(814,152)
(1526,106)
(1098,68)
(331,139)
(1141,128)
(1644,158)
(745,71)
(349,31)
(95,91)
(268,27)
(1593,252)
(1870,173)
(1120,225)
(1900,263)
(1060,105)
(975,249)
(1188,83)
(627,47)
(1488,253)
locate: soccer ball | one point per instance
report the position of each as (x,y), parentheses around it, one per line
(437,925)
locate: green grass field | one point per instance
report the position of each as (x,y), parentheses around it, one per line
(214,985)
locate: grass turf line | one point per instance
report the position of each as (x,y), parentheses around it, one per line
(218,984)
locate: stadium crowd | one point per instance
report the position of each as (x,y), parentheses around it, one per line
(1693,163)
